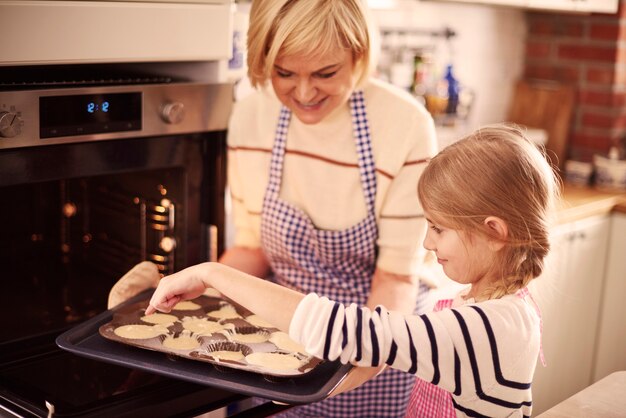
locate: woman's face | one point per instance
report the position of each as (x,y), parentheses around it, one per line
(313,86)
(465,258)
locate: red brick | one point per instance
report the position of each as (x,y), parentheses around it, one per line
(621,11)
(620,122)
(604,31)
(556,26)
(619,99)
(595,98)
(622,32)
(597,120)
(567,73)
(587,53)
(541,26)
(621,55)
(538,49)
(601,75)
(539,71)
(595,141)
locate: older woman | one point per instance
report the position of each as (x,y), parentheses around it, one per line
(323,170)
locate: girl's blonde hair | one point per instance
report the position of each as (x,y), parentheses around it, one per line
(309,27)
(496,171)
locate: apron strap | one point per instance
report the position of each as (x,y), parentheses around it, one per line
(278,153)
(367,166)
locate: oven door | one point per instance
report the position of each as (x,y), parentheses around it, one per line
(76,217)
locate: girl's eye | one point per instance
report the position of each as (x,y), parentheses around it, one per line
(434,228)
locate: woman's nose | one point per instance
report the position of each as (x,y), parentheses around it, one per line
(305,91)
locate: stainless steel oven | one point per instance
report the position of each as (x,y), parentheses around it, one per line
(99,170)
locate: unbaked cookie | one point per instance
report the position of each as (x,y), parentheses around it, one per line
(274,361)
(139,332)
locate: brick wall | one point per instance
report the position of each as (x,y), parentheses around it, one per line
(588,51)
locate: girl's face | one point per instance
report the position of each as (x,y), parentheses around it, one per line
(465,258)
(313,86)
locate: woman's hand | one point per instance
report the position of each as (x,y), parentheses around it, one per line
(184,285)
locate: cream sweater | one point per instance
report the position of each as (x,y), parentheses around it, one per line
(320,173)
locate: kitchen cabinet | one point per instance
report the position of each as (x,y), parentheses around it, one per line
(569,294)
(580,6)
(611,346)
(599,6)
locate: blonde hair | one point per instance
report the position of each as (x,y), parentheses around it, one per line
(496,171)
(310,27)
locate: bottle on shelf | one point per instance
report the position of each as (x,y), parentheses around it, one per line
(453,91)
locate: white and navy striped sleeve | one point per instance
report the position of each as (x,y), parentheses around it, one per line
(483,354)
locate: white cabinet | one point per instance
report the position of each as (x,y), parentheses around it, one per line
(599,6)
(569,294)
(611,346)
(581,6)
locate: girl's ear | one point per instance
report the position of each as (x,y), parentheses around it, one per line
(496,226)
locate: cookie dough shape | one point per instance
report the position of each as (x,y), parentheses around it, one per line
(257,321)
(139,332)
(186,305)
(202,326)
(282,341)
(182,342)
(256,337)
(225,312)
(274,361)
(211,292)
(159,319)
(227,355)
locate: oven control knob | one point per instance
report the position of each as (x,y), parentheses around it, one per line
(10,124)
(173,112)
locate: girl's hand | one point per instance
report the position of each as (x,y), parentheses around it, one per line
(184,285)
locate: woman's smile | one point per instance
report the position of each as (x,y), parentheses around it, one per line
(312,87)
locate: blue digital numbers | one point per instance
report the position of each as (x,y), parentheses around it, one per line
(98,107)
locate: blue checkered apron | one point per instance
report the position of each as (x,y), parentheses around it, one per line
(336,264)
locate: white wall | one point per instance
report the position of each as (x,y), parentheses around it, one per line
(487,53)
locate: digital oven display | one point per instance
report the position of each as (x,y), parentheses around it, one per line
(89,114)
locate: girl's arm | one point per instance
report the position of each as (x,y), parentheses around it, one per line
(395,292)
(274,303)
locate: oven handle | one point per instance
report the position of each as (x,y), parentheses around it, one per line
(211,249)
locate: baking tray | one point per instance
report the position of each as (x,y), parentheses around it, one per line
(311,385)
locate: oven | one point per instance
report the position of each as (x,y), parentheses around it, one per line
(100,169)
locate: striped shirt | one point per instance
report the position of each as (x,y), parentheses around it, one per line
(484,353)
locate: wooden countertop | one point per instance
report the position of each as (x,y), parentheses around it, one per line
(582,202)
(603,399)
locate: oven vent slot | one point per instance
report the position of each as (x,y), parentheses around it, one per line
(64,76)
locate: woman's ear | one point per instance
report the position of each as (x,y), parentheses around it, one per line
(496,227)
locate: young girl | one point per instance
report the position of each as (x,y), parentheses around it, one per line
(486,199)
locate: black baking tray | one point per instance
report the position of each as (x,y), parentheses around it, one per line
(85,340)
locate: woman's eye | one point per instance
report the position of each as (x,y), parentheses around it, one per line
(283,74)
(327,75)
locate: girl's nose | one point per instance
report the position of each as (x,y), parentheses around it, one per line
(428,242)
(305,91)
